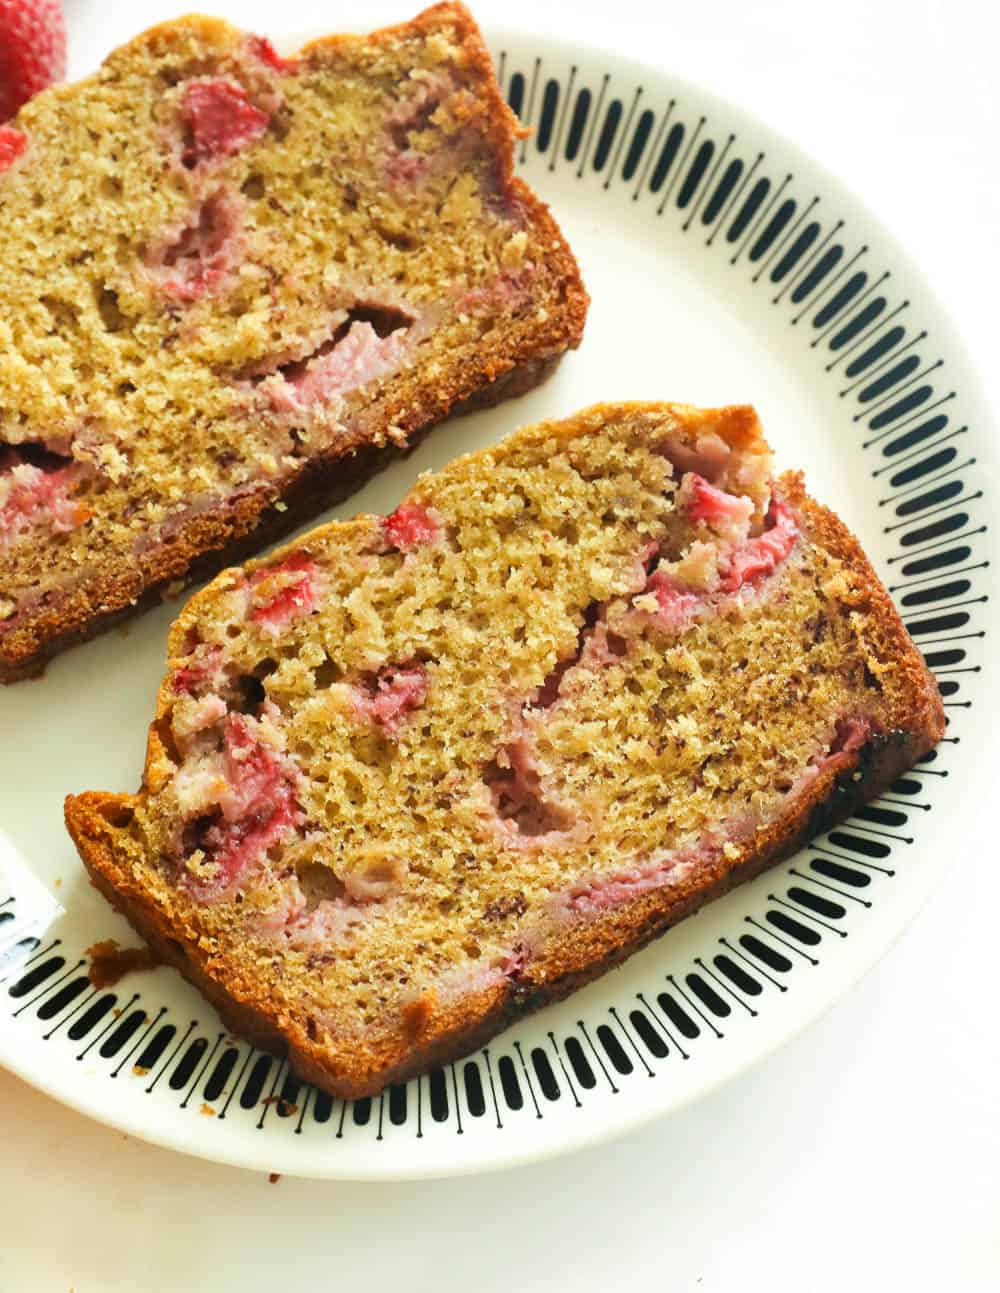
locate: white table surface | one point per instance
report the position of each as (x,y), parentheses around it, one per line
(867,1153)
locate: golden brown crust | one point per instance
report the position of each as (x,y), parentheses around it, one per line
(435,1031)
(510,360)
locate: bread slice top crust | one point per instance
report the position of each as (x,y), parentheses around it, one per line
(234,284)
(418,772)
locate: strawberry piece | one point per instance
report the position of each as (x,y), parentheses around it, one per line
(32,51)
(202,253)
(12,145)
(606,893)
(222,119)
(516,961)
(411,526)
(201,666)
(675,603)
(257,810)
(32,495)
(708,503)
(295,580)
(510,290)
(392,693)
(759,557)
(358,358)
(407,168)
(850,734)
(262,49)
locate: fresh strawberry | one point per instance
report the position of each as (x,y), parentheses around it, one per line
(32,50)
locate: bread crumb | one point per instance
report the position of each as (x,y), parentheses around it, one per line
(442,50)
(514,250)
(113,461)
(109,963)
(836,588)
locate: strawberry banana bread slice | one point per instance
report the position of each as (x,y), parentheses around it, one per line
(419,774)
(234,285)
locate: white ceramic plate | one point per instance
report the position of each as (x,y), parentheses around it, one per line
(724,266)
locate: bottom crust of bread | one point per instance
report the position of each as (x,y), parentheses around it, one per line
(91,820)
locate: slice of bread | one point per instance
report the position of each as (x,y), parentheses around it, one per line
(421,773)
(234,286)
